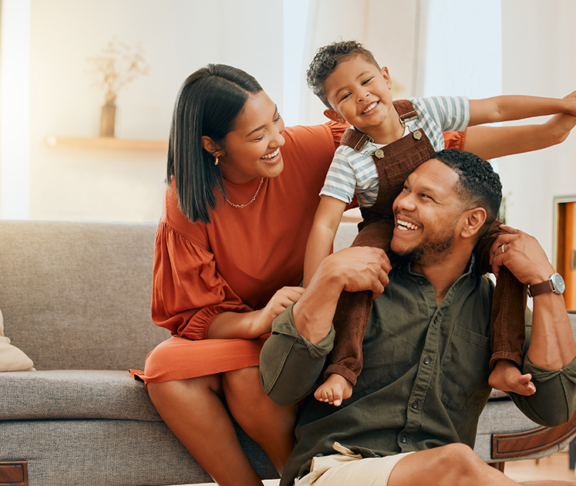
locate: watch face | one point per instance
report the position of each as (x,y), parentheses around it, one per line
(558,283)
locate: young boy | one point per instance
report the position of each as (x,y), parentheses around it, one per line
(388,141)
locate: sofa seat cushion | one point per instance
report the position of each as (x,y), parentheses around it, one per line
(74,395)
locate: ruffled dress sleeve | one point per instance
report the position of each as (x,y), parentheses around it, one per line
(454,140)
(188,292)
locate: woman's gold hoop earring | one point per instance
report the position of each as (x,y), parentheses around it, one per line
(216,161)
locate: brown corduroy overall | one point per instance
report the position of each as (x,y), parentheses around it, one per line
(394,163)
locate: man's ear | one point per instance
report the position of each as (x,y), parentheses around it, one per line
(387,77)
(474,220)
(334,116)
(210,146)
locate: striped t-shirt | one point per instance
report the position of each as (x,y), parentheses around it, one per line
(354,172)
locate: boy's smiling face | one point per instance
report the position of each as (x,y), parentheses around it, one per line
(359,94)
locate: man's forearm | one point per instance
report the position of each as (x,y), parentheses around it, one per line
(352,269)
(552,344)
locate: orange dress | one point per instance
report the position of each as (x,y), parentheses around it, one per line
(238,261)
(235,263)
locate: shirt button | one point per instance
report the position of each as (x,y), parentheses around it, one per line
(426,361)
(421,281)
(403,440)
(415,404)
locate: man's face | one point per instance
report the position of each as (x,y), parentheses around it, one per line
(427,213)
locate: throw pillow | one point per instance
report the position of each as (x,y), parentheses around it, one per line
(11,358)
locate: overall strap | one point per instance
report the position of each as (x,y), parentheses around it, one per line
(356,139)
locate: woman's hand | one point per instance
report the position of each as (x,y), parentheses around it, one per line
(279,302)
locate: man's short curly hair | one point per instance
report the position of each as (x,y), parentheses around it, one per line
(327,58)
(478,184)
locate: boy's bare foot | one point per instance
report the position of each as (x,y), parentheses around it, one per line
(335,389)
(507,377)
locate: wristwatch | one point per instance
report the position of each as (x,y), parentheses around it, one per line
(554,284)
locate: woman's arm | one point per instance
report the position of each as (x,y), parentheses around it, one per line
(252,325)
(505,108)
(493,142)
(326,221)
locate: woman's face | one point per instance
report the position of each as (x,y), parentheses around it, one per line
(253,146)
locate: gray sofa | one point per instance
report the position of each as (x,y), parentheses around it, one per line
(76,299)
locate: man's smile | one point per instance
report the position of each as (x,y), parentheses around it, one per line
(404,225)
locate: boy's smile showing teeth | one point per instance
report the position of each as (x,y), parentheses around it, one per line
(370,107)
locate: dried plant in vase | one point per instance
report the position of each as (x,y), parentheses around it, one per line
(118,65)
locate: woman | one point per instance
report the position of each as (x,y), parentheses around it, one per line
(228,258)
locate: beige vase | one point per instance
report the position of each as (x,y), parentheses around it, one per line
(108,118)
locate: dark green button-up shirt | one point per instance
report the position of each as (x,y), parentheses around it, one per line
(424,381)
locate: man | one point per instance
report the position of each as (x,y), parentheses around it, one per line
(412,418)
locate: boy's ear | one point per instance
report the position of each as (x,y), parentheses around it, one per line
(334,116)
(473,222)
(387,77)
(210,146)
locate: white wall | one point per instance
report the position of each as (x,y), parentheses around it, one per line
(15,112)
(463,50)
(538,59)
(178,37)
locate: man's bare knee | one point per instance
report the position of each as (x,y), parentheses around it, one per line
(458,464)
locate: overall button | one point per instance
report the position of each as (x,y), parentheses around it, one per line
(379,154)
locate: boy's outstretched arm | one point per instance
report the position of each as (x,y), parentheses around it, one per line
(517,107)
(326,221)
(493,142)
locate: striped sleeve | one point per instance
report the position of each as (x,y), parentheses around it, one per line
(440,114)
(340,181)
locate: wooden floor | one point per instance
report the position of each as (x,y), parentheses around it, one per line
(554,466)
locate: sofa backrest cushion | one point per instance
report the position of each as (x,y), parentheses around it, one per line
(77,295)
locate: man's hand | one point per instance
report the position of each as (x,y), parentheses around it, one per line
(352,269)
(522,255)
(356,269)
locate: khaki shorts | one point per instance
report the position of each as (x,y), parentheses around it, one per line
(349,469)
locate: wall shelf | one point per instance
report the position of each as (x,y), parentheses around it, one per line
(106,143)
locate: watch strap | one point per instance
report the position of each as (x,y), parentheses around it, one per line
(541,288)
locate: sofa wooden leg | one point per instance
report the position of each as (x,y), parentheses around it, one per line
(13,473)
(498,465)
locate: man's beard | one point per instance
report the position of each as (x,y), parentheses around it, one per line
(433,249)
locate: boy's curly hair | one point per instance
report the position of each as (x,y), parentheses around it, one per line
(327,58)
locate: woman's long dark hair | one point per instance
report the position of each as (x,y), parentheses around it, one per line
(208,103)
